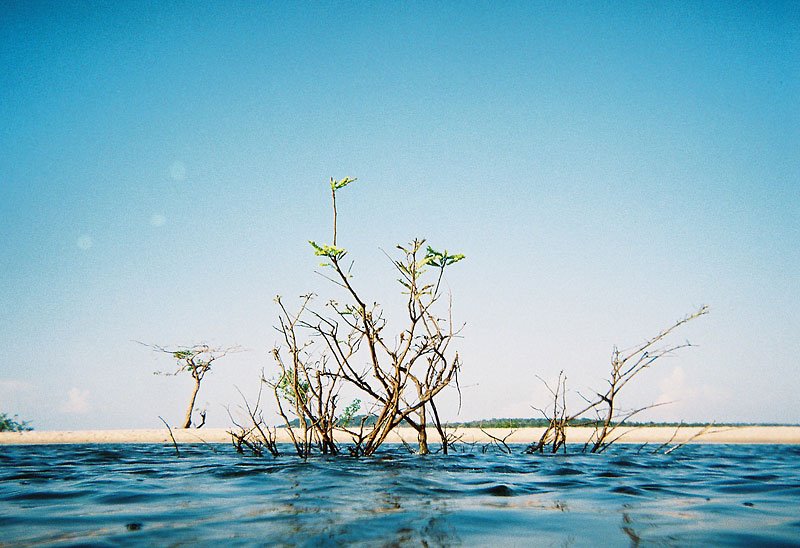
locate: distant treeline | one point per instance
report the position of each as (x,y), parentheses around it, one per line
(542,423)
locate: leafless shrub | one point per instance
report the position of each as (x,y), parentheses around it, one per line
(498,443)
(257,437)
(604,406)
(555,435)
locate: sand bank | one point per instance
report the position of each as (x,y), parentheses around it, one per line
(656,434)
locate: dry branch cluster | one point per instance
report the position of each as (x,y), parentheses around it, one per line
(603,409)
(345,348)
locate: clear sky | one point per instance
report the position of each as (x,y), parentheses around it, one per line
(606,168)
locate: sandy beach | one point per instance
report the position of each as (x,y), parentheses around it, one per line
(656,434)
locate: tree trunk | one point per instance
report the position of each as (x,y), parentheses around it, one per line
(422,433)
(187,421)
(422,437)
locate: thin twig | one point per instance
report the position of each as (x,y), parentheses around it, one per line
(174,443)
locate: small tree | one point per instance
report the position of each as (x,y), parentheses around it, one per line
(399,376)
(197,361)
(13,424)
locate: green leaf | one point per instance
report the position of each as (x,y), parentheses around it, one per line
(349,412)
(441,259)
(332,252)
(336,185)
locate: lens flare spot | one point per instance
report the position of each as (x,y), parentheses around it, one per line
(177,171)
(85,242)
(157,220)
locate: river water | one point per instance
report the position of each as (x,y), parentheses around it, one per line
(143,495)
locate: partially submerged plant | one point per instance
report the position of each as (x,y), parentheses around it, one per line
(305,388)
(345,347)
(256,438)
(608,416)
(554,436)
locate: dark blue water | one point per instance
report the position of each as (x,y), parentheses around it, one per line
(144,495)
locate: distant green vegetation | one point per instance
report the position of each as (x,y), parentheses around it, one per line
(543,423)
(13,424)
(369,420)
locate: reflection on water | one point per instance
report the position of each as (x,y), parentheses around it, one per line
(142,494)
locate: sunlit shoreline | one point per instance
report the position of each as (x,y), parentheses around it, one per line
(651,434)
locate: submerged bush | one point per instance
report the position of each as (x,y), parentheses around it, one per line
(346,346)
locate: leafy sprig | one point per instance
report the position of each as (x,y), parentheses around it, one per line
(441,259)
(332,252)
(336,185)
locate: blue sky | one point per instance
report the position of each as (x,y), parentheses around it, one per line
(606,168)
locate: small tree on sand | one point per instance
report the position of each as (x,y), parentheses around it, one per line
(197,361)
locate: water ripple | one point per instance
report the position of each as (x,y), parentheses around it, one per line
(143,494)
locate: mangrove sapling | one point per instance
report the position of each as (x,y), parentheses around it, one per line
(399,379)
(197,361)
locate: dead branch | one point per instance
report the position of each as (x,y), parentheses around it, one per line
(625,366)
(499,443)
(705,430)
(555,434)
(257,436)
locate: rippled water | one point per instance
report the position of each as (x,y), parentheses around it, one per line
(143,494)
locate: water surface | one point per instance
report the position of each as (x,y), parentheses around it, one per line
(142,494)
